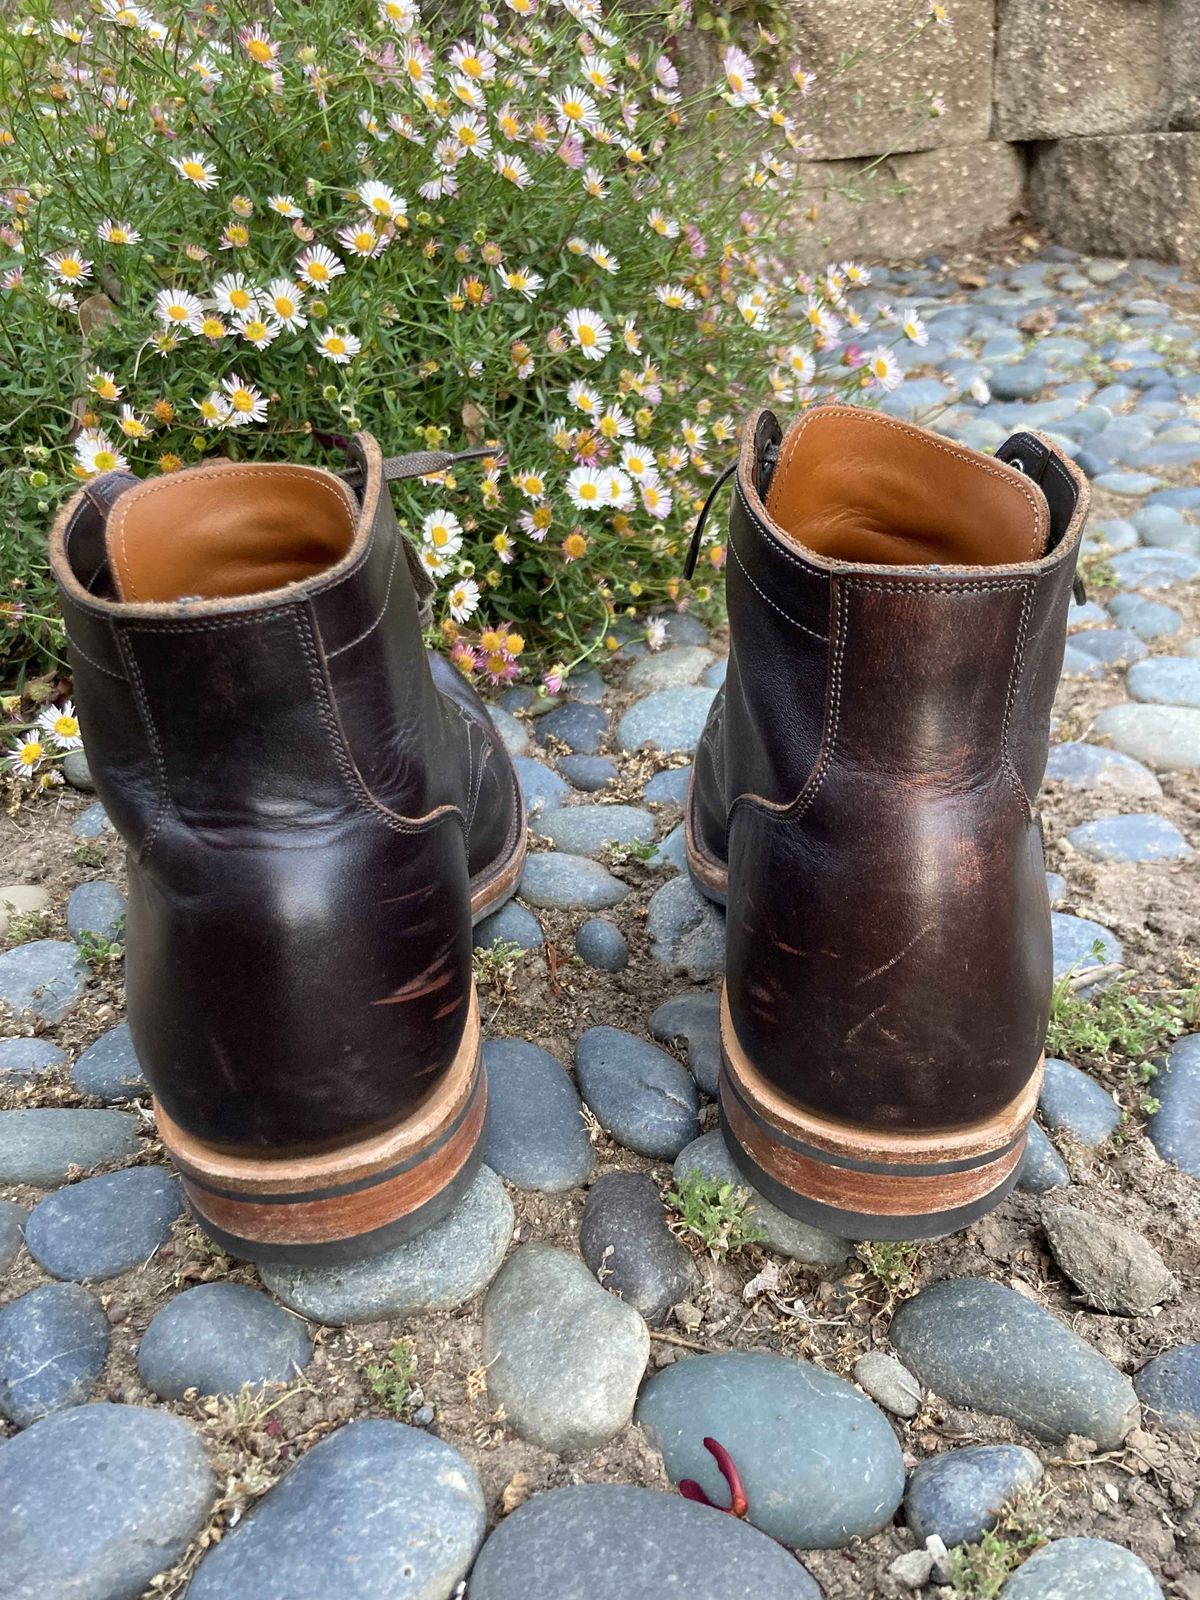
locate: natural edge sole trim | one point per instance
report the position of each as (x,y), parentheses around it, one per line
(860,1181)
(299,1207)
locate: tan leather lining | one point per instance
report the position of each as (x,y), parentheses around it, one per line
(228,529)
(855,485)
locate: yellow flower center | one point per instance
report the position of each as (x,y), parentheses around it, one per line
(587,334)
(256,330)
(318,272)
(212,328)
(468,136)
(336,346)
(31,752)
(572,110)
(588,491)
(259,50)
(365,241)
(66,727)
(471,67)
(194,170)
(284,307)
(70,267)
(576,545)
(105,460)
(242,400)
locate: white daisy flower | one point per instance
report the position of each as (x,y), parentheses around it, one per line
(575,111)
(695,434)
(800,362)
(443,531)
(656,498)
(585,488)
(196,170)
(676,297)
(69,264)
(95,452)
(638,461)
(338,345)
(594,183)
(658,222)
(26,754)
(104,385)
(614,424)
(584,398)
(590,332)
(319,266)
(214,409)
(111,231)
(361,239)
(463,599)
(178,309)
(513,168)
(399,14)
(247,403)
(234,295)
(739,69)
(753,311)
(133,424)
(914,328)
(531,483)
(61,726)
(283,206)
(382,201)
(604,258)
(258,328)
(521,280)
(471,131)
(616,489)
(434,562)
(882,369)
(472,62)
(283,299)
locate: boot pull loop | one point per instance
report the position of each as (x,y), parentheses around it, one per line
(1037,461)
(693,554)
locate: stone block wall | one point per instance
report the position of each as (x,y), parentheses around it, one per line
(1082,114)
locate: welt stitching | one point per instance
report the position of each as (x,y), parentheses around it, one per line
(1011,772)
(363,798)
(251,619)
(382,611)
(76,649)
(160,764)
(915,586)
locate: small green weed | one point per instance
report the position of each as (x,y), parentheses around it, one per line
(633,850)
(980,1571)
(495,967)
(90,854)
(717,1214)
(391,1380)
(1095,571)
(101,954)
(25,926)
(893,1262)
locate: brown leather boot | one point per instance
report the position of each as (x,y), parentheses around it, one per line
(315,811)
(863,799)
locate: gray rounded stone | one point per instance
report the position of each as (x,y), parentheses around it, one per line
(641,1095)
(588,773)
(536,1135)
(669,669)
(714,677)
(1169,1388)
(672,851)
(42,1144)
(1082,1569)
(53,1342)
(556,881)
(514,735)
(96,908)
(1056,887)
(1174,1129)
(1154,569)
(22,1058)
(669,787)
(602,945)
(12,1232)
(1114,1268)
(1092,766)
(1075,1104)
(77,773)
(1136,836)
(680,627)
(588,686)
(1042,1167)
(376,1511)
(1149,619)
(542,787)
(512,924)
(98,1499)
(215,1337)
(1080,664)
(437,1270)
(1166,738)
(582,728)
(956,1496)
(589,830)
(787,1236)
(45,978)
(696,1020)
(1166,680)
(1075,944)
(109,1068)
(687,931)
(819,1463)
(93,823)
(563,1357)
(612,1541)
(104,1226)
(668,720)
(625,1240)
(977,1343)
(1112,646)
(888,1382)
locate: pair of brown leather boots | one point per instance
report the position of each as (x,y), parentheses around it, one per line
(316,810)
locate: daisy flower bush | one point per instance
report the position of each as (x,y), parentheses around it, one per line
(228,229)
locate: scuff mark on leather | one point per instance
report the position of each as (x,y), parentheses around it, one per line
(896,959)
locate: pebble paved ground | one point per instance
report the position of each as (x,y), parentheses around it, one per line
(513,1395)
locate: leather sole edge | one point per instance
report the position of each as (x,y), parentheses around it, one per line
(862,1183)
(350,1202)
